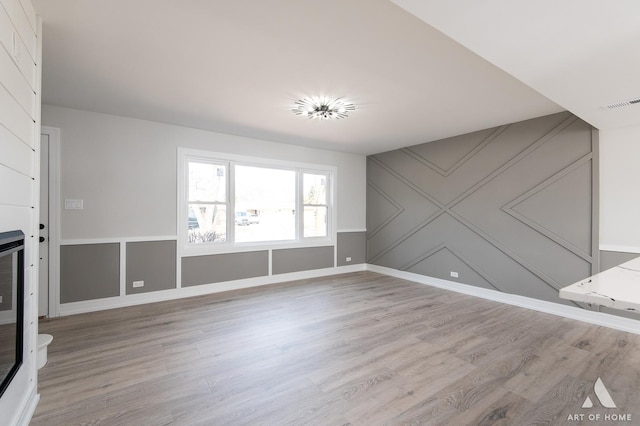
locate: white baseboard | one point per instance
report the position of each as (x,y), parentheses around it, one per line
(29,408)
(591,317)
(199,290)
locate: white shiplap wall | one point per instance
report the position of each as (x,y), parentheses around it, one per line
(20,56)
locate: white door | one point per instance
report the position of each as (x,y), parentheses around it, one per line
(43,285)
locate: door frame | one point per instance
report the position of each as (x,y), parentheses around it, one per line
(54,219)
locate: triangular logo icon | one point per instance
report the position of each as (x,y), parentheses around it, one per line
(587,403)
(602,394)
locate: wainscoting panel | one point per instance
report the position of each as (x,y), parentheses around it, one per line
(302,259)
(198,270)
(89,271)
(153,262)
(610,259)
(353,245)
(509,208)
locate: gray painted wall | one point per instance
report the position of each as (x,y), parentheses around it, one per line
(89,271)
(609,259)
(153,262)
(301,259)
(510,208)
(117,161)
(197,270)
(92,271)
(353,245)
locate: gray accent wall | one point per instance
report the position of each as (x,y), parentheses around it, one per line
(153,262)
(353,245)
(512,208)
(610,259)
(302,259)
(89,271)
(198,270)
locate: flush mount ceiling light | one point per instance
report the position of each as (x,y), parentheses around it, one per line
(323,108)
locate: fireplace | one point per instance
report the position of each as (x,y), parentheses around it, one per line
(11,305)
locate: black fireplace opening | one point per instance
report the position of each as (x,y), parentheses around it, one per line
(11,305)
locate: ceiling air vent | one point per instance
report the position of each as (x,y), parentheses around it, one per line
(623,103)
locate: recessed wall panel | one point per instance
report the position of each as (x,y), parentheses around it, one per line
(89,271)
(153,263)
(351,245)
(198,270)
(610,259)
(302,259)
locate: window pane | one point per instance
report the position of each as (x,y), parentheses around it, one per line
(315,221)
(207,182)
(265,204)
(207,223)
(315,189)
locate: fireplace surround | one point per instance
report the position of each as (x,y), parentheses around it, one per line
(11,305)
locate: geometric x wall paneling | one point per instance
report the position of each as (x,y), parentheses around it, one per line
(513,208)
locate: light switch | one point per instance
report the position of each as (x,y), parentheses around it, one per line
(73,204)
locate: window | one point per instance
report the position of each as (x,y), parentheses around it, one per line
(228,201)
(266,203)
(316,207)
(207,202)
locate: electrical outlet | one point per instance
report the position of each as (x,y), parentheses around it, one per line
(454,274)
(348,259)
(137,284)
(0,299)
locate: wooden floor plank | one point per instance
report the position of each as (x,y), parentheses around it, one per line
(357,349)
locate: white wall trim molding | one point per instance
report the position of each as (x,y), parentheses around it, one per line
(199,290)
(351,230)
(29,408)
(116,240)
(123,268)
(249,247)
(620,249)
(598,318)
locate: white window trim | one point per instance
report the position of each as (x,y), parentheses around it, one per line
(185,249)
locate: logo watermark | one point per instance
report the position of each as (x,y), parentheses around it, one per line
(604,398)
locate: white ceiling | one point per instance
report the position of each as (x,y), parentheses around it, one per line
(581,54)
(237,66)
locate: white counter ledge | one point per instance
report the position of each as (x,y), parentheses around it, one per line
(617,288)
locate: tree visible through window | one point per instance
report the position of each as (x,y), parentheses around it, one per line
(207,202)
(316,207)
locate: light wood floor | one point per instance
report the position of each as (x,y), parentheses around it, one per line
(358,349)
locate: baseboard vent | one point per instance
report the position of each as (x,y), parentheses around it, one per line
(622,103)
